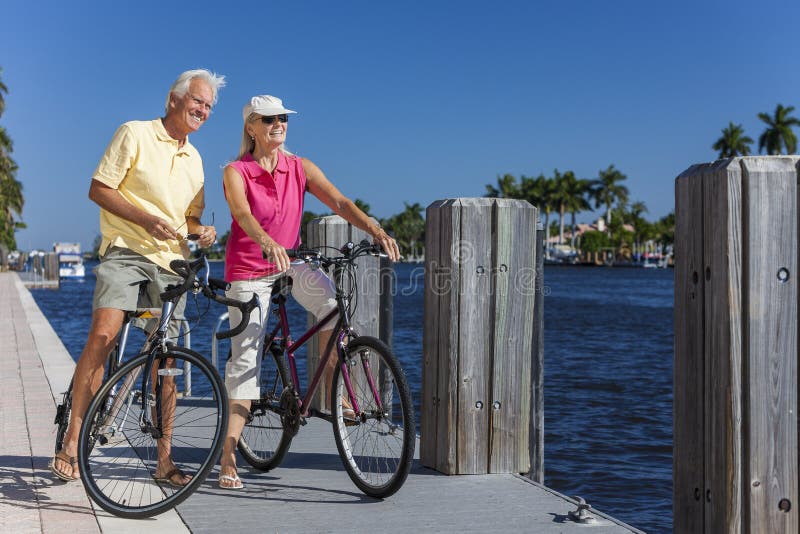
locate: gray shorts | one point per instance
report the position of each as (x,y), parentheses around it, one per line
(119,278)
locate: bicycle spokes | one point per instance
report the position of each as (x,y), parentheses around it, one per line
(376,438)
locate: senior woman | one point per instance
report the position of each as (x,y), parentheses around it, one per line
(264,188)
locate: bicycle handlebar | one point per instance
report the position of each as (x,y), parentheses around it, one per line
(350,252)
(188,271)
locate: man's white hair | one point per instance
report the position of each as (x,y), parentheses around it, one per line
(181,85)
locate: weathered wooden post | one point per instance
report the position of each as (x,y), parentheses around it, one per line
(735,466)
(374,307)
(480,271)
(536,472)
(51,266)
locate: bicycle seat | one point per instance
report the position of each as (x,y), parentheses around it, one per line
(282,286)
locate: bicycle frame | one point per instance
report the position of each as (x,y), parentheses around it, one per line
(156,339)
(343,330)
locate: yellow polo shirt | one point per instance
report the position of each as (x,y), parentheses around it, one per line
(153,173)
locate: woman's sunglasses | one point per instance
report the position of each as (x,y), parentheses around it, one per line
(271,119)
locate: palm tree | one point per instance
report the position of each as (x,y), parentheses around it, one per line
(408,228)
(607,190)
(561,197)
(733,142)
(641,227)
(11,199)
(363,206)
(540,192)
(11,203)
(3,89)
(779,131)
(507,187)
(578,192)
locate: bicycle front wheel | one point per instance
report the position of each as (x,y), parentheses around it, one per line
(264,441)
(375,442)
(186,407)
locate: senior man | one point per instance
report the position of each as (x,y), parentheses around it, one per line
(149,186)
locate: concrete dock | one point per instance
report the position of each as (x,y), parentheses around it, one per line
(309,492)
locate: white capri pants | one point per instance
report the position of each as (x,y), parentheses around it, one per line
(311,288)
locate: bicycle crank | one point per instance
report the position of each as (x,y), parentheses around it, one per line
(290,411)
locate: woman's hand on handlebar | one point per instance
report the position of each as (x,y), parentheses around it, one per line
(274,253)
(387,243)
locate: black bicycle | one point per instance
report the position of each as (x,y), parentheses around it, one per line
(167,403)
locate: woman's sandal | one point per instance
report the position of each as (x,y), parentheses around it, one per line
(236,482)
(71,460)
(171,476)
(348,414)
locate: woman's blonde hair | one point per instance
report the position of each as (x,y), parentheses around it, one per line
(249,144)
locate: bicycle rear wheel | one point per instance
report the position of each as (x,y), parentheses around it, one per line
(264,441)
(64,410)
(377,443)
(118,457)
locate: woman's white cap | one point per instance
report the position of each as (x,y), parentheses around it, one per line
(266,105)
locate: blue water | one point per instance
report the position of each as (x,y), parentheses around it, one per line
(608,376)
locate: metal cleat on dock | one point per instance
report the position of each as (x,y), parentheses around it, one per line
(582,514)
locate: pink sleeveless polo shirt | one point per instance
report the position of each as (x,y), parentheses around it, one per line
(276,201)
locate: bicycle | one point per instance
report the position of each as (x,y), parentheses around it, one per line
(113,362)
(138,412)
(375,434)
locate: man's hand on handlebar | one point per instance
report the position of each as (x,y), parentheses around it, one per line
(188,271)
(205,235)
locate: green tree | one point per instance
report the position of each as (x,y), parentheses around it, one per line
(664,229)
(576,192)
(559,198)
(642,229)
(733,142)
(608,191)
(539,191)
(363,206)
(3,91)
(507,187)
(304,220)
(11,198)
(594,241)
(408,229)
(779,133)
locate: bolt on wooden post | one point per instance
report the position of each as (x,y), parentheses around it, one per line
(735,461)
(480,280)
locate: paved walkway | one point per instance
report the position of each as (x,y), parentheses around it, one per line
(309,492)
(35,369)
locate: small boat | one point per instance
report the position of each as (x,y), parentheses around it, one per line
(70,261)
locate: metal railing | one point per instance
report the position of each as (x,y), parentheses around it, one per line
(214,341)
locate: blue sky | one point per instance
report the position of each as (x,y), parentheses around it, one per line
(398,102)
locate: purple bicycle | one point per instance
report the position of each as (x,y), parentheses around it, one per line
(371,409)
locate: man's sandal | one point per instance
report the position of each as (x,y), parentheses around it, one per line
(174,478)
(71,460)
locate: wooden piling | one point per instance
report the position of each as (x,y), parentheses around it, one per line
(735,465)
(480,264)
(537,367)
